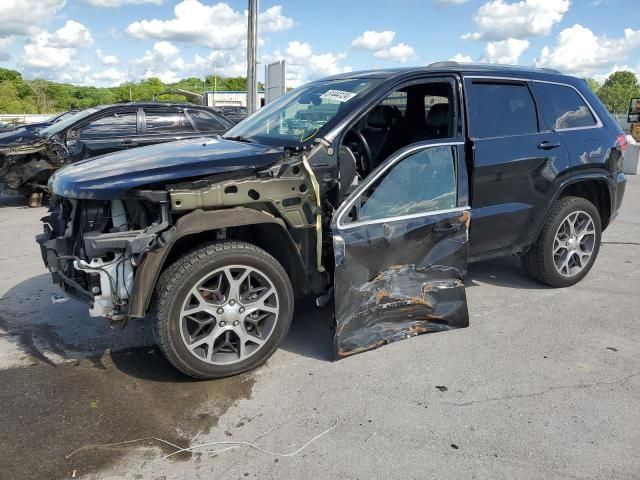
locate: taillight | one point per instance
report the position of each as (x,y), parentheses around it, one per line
(621,142)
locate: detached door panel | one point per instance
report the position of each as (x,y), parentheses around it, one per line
(401,246)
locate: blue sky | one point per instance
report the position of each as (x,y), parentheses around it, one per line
(106,42)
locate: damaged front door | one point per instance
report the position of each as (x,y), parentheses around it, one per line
(401,244)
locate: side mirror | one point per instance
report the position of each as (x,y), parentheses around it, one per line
(634,111)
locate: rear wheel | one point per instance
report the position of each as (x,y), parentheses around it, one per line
(222,309)
(568,244)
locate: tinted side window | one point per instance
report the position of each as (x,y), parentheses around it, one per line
(564,107)
(206,122)
(119,124)
(500,110)
(422,182)
(162,122)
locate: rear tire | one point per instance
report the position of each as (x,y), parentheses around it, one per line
(568,244)
(222,309)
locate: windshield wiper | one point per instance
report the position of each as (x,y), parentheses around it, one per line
(240,138)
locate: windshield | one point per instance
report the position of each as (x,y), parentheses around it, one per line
(300,115)
(66,122)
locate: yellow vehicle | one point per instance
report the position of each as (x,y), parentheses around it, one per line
(634,118)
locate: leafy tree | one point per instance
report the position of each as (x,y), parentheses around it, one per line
(593,84)
(10,75)
(10,102)
(618,89)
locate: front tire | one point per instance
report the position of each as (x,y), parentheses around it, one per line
(222,309)
(568,244)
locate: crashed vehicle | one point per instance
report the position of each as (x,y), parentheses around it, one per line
(50,121)
(379,204)
(28,156)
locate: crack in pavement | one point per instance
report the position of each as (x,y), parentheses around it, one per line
(620,243)
(544,392)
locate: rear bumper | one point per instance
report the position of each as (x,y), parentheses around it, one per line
(619,187)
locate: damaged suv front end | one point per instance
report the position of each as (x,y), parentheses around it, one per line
(103,220)
(91,247)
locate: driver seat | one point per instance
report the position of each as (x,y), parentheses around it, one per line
(379,123)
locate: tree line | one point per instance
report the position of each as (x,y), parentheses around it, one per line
(18,95)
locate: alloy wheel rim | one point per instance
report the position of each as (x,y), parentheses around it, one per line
(574,243)
(229,315)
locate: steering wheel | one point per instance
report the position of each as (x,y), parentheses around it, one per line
(365,151)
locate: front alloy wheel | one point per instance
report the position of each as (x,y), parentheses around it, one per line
(229,315)
(222,309)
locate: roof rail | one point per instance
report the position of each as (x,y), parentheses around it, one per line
(551,70)
(448,63)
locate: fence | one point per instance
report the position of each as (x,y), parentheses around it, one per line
(20,119)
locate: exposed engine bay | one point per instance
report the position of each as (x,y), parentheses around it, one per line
(93,248)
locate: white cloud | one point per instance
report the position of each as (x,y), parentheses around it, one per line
(106,59)
(165,61)
(304,65)
(110,77)
(459,57)
(505,51)
(215,26)
(372,40)
(39,54)
(71,35)
(499,20)
(298,50)
(21,17)
(119,3)
(397,53)
(55,50)
(580,51)
(272,20)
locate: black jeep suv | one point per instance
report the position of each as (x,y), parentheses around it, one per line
(29,155)
(364,187)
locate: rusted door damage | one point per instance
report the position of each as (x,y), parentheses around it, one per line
(423,294)
(401,275)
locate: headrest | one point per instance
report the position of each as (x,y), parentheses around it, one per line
(438,116)
(380,117)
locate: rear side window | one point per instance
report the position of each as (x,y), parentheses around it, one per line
(120,124)
(501,110)
(206,122)
(564,108)
(163,122)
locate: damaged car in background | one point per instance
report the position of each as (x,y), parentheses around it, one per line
(371,189)
(28,156)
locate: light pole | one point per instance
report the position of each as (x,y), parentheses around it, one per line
(252,49)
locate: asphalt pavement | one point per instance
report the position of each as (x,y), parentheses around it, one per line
(545,383)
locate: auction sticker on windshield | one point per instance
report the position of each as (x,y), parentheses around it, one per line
(337,95)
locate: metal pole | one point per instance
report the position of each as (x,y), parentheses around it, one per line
(252,52)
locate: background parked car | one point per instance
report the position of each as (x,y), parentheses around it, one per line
(28,157)
(50,121)
(234,114)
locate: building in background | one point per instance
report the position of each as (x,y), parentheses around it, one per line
(230,99)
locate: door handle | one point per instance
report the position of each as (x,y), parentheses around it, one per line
(548,145)
(448,227)
(128,142)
